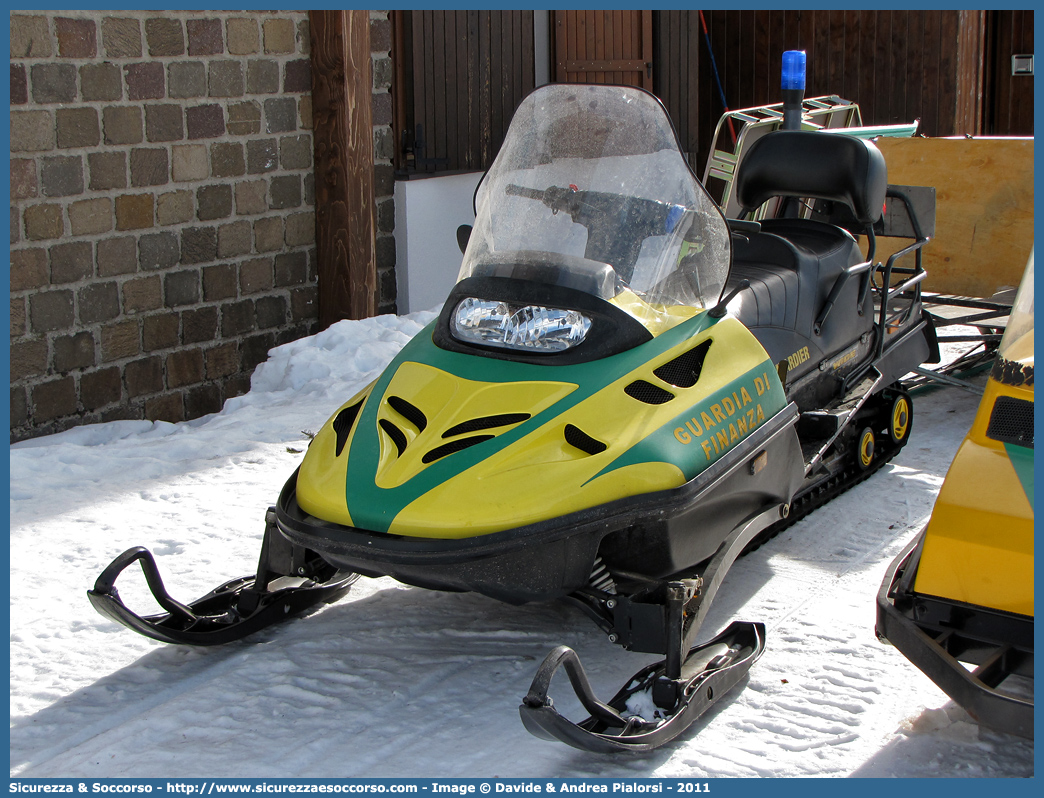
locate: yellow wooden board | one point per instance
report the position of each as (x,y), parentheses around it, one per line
(984,209)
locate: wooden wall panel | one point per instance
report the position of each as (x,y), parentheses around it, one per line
(1009,105)
(462,74)
(342,89)
(984,209)
(898,65)
(604,47)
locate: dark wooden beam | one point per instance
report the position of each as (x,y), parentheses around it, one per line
(342,115)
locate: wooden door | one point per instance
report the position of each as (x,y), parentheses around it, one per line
(604,47)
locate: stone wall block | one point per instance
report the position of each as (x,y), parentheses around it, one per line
(298,76)
(107,170)
(142,294)
(262,156)
(101,82)
(234,239)
(242,36)
(268,234)
(237,318)
(221,361)
(186,79)
(181,288)
(244,118)
(53,83)
(262,76)
(271,312)
(120,341)
(168,407)
(77,127)
(100,388)
(280,115)
(285,192)
(77,38)
(91,216)
(121,37)
(50,310)
(122,124)
(144,376)
(300,229)
(279,36)
(28,359)
(74,351)
(200,325)
(116,255)
(251,197)
(158,251)
(214,202)
(98,302)
(189,163)
(71,262)
(205,121)
(227,160)
(204,36)
(219,282)
(225,79)
(61,176)
(198,244)
(145,81)
(43,222)
(134,211)
(53,399)
(32,131)
(160,331)
(30,37)
(256,275)
(164,123)
(148,166)
(175,207)
(29,269)
(165,36)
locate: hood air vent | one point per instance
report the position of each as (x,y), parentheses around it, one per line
(453,447)
(581,440)
(1011,421)
(409,412)
(342,426)
(647,392)
(685,369)
(397,436)
(486,422)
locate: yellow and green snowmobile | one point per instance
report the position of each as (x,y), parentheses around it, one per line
(622,393)
(962,591)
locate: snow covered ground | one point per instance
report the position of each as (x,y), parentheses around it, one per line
(398,681)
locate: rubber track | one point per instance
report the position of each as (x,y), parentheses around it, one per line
(820,493)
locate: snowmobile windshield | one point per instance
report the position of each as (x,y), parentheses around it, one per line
(590,191)
(1017,343)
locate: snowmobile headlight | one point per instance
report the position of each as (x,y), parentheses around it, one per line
(531,328)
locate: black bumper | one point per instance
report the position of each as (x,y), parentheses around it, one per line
(553,558)
(937,636)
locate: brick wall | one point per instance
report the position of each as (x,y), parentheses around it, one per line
(162,208)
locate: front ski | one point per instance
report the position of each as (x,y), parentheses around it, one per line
(651,709)
(289,581)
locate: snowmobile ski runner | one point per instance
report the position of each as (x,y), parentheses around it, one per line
(623,392)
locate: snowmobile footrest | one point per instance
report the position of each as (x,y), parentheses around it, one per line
(233,610)
(651,709)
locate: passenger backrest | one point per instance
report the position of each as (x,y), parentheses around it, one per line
(826,166)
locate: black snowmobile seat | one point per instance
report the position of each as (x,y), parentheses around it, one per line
(792,264)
